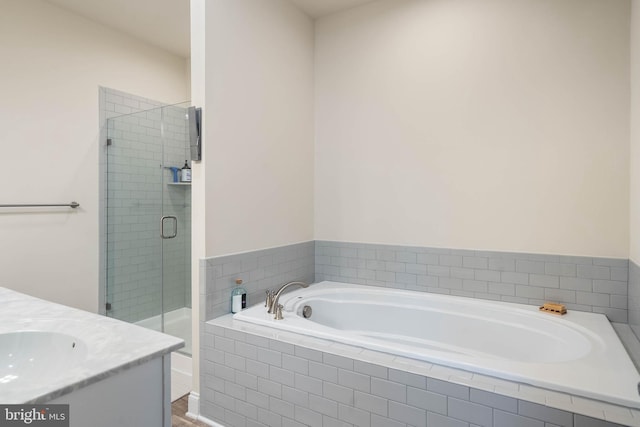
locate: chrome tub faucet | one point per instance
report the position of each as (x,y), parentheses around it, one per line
(272,299)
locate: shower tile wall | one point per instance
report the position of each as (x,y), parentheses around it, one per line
(117,103)
(591,284)
(135,194)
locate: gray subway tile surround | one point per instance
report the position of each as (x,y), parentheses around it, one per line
(251,378)
(634,297)
(260,270)
(360,392)
(597,285)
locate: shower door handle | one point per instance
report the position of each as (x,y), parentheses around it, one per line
(175,227)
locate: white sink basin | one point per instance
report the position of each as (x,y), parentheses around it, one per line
(33,356)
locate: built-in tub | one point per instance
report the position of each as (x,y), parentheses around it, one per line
(578,353)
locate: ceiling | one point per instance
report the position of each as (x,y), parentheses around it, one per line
(317,8)
(165,23)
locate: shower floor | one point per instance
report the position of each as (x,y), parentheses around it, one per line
(178,324)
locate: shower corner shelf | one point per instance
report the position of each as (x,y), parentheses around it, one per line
(179,184)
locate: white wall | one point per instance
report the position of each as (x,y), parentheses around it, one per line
(259,120)
(53,63)
(494,124)
(634,223)
(198,187)
(252,72)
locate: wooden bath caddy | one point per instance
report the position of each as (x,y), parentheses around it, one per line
(554,308)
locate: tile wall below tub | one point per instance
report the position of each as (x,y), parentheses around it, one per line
(598,285)
(260,270)
(634,297)
(252,380)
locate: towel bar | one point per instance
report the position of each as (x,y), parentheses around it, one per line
(72,205)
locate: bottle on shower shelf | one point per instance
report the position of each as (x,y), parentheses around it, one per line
(185,175)
(238,297)
(175,172)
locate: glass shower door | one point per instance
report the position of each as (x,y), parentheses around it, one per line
(148,221)
(176,230)
(134,206)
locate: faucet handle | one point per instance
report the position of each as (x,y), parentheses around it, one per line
(278,315)
(269,300)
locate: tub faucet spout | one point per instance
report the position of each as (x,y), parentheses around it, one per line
(274,302)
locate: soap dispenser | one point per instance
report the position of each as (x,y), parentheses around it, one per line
(238,297)
(185,176)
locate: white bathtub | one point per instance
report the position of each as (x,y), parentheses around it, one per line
(578,353)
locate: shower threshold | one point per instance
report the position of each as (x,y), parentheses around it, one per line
(178,324)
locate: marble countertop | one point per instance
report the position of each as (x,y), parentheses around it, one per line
(112,345)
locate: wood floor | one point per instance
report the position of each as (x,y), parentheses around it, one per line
(178,417)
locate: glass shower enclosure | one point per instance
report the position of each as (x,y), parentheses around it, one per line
(148,221)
